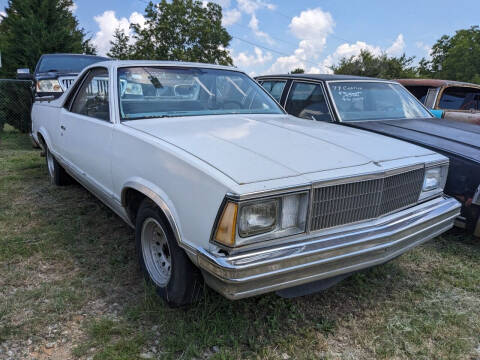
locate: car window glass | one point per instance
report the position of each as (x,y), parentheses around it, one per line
(161,92)
(430,98)
(275,88)
(92,97)
(460,98)
(420,92)
(67,63)
(374,100)
(307,101)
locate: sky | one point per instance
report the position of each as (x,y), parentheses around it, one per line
(278,36)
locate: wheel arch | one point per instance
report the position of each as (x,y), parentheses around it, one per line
(133,193)
(43,139)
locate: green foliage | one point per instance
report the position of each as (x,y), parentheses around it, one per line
(121,49)
(15,104)
(181,30)
(297,71)
(455,57)
(32,28)
(382,66)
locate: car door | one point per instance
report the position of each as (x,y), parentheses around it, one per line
(86,131)
(307,100)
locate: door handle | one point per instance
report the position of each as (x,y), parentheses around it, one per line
(63,127)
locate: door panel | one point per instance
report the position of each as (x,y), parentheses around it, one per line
(87,131)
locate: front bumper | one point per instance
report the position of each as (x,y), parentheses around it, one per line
(324,254)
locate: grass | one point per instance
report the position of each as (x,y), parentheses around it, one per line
(68,275)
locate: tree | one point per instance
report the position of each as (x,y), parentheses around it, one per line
(382,66)
(183,30)
(32,28)
(298,71)
(455,57)
(121,48)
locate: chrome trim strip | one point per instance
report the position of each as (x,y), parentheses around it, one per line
(267,193)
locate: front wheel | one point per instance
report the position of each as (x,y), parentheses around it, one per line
(163,262)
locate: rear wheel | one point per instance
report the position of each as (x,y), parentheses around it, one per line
(163,262)
(57,173)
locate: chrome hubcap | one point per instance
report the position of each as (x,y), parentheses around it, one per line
(50,165)
(156,252)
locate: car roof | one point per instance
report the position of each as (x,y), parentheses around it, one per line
(133,63)
(79,55)
(321,77)
(434,83)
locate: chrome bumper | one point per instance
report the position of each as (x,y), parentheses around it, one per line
(325,254)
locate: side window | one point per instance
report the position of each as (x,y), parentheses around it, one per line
(307,101)
(430,98)
(275,88)
(460,98)
(92,97)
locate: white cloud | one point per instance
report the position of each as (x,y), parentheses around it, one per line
(251,6)
(231,17)
(398,46)
(245,59)
(74,7)
(108,23)
(348,50)
(2,14)
(312,28)
(424,47)
(253,24)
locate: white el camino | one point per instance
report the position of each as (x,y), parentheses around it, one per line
(221,185)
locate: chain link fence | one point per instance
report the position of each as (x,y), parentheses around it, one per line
(16,104)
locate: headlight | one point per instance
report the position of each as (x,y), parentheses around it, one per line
(434,180)
(264,219)
(257,218)
(49,86)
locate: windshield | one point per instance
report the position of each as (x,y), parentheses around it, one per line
(65,63)
(154,92)
(363,100)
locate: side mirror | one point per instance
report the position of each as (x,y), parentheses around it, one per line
(24,74)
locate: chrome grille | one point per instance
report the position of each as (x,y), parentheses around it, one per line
(347,203)
(66,82)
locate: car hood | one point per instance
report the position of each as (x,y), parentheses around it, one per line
(252,148)
(445,136)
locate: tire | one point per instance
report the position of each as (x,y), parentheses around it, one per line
(58,175)
(163,262)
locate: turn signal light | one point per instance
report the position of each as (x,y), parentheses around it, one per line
(225,233)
